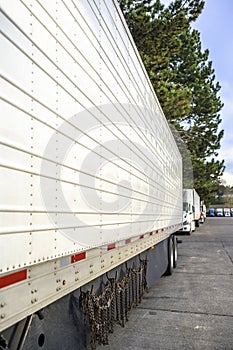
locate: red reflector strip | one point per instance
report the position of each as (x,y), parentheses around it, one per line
(13,278)
(157,231)
(142,236)
(111,246)
(78,257)
(151,233)
(127,241)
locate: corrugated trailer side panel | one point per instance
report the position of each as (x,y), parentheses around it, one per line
(87,156)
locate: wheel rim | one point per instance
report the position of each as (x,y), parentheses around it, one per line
(172,255)
(175,251)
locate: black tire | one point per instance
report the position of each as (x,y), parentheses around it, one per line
(175,251)
(197,223)
(170,252)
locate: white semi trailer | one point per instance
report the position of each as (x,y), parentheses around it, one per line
(91,177)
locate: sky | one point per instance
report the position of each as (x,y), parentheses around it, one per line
(216,28)
(215,25)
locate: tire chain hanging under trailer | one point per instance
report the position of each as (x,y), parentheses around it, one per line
(112,305)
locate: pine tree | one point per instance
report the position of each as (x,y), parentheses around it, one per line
(183,79)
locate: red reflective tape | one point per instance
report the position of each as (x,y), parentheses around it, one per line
(13,278)
(151,233)
(157,231)
(78,257)
(142,236)
(111,246)
(127,241)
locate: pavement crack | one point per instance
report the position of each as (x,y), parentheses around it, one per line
(164,297)
(204,274)
(227,253)
(153,311)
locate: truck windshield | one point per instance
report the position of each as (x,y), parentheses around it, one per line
(185,206)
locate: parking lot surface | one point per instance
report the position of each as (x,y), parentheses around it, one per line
(193,308)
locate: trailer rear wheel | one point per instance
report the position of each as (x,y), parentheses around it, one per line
(170,265)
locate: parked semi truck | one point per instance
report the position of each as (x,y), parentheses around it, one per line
(211,212)
(219,211)
(203,212)
(191,210)
(91,177)
(226,212)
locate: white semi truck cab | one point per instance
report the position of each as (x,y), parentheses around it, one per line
(191,210)
(219,212)
(226,212)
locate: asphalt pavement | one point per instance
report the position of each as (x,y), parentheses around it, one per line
(193,308)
